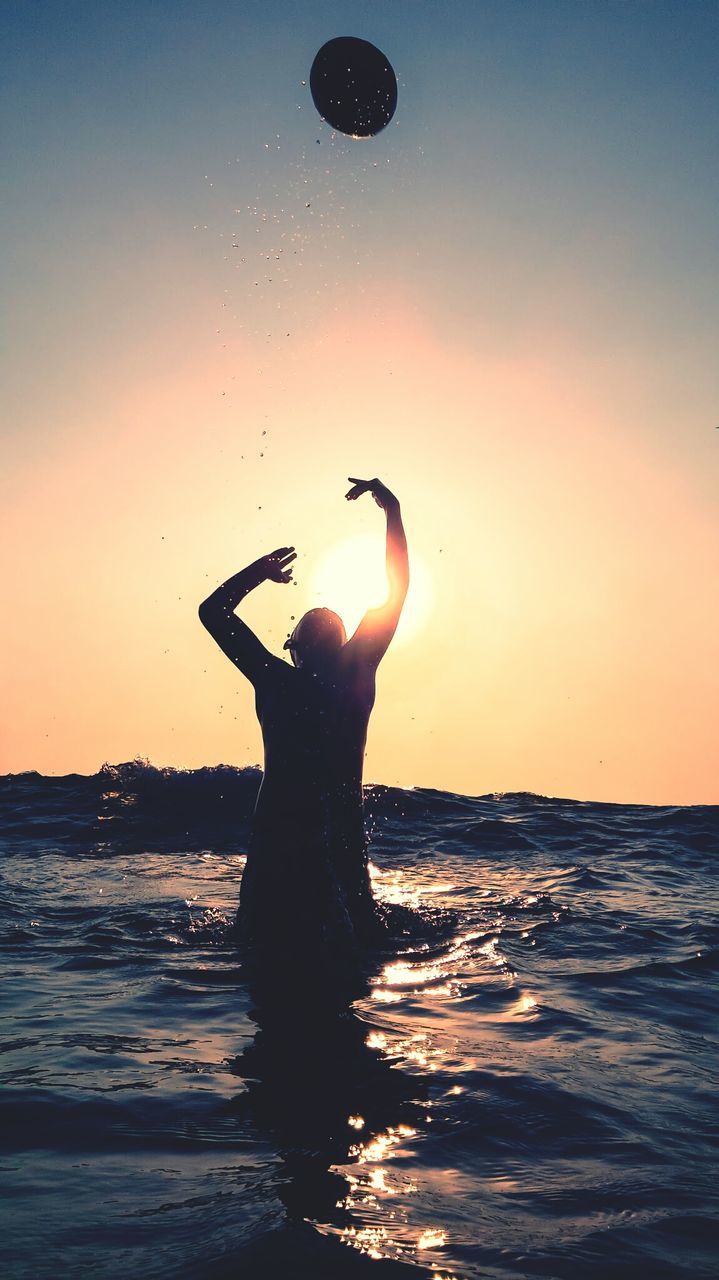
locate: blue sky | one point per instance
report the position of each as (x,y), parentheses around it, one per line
(544,136)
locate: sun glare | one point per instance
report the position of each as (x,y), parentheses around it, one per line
(350,578)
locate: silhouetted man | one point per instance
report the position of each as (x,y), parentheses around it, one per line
(306,878)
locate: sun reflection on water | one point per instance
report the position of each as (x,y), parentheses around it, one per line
(469,961)
(380,1147)
(431,1239)
(376,1040)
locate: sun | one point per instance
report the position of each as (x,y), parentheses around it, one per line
(350,578)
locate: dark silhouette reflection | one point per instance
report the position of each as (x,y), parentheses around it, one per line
(322,1094)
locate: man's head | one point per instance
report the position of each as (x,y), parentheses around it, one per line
(318,636)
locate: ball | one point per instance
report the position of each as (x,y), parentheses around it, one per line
(353,86)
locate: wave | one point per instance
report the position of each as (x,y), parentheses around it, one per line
(139,804)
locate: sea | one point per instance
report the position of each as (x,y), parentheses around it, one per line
(522,1082)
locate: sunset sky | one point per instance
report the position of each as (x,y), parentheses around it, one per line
(506,306)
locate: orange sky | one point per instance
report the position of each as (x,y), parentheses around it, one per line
(571,645)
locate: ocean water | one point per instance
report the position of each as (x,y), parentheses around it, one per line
(524,1085)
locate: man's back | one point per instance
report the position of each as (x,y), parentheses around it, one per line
(314,729)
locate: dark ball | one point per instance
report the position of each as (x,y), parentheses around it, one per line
(353,86)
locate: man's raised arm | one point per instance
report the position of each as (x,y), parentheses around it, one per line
(375,631)
(217,612)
